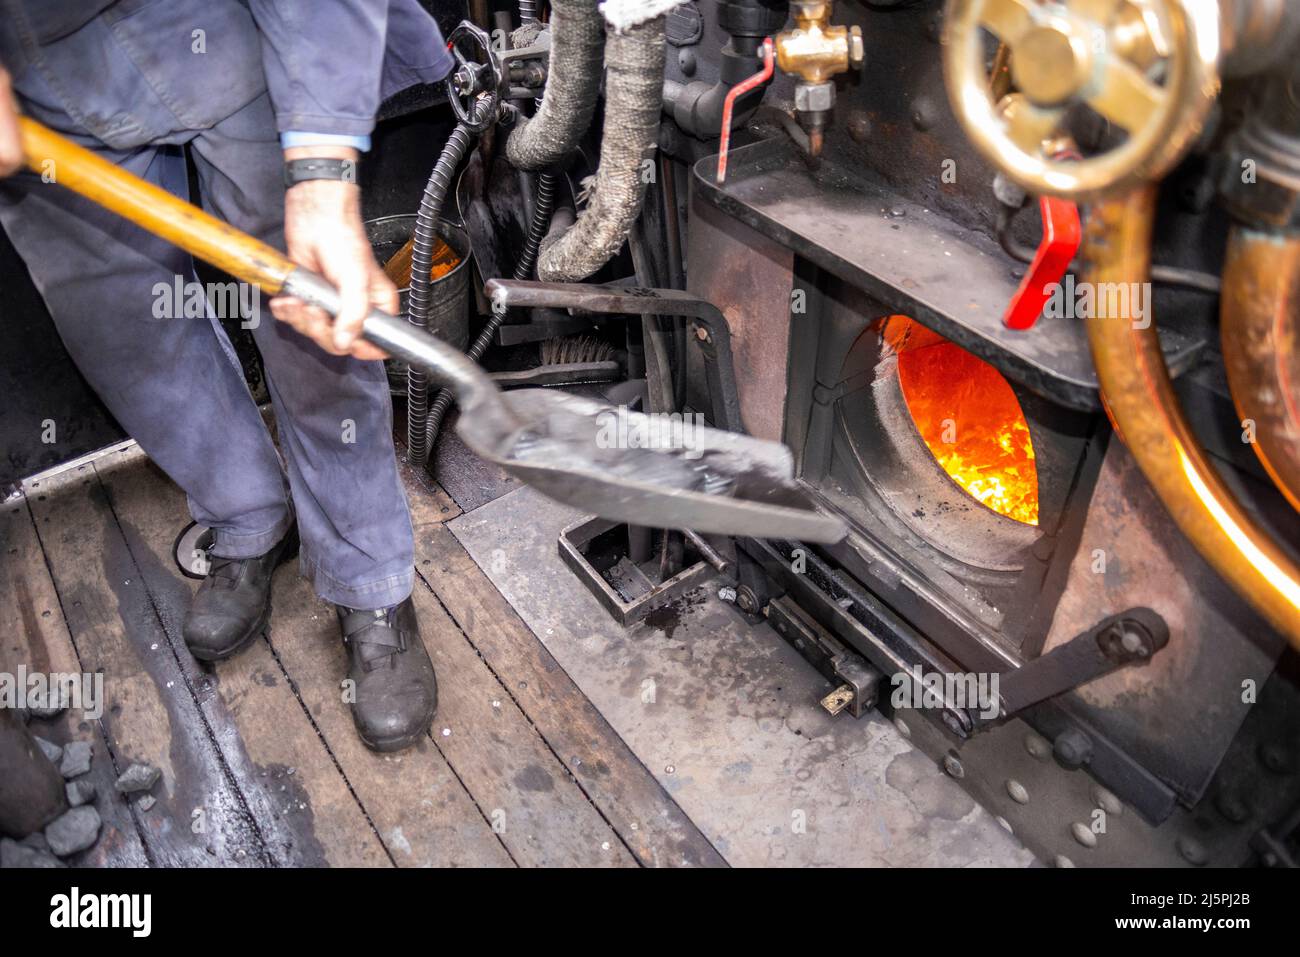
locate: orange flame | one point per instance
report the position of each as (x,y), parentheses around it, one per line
(969,418)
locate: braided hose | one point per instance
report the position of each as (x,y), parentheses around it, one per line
(634,70)
(419,298)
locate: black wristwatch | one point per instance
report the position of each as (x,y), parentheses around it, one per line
(301,170)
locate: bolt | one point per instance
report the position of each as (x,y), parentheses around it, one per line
(1072,748)
(952,724)
(952,764)
(747,600)
(702,334)
(1134,643)
(857,52)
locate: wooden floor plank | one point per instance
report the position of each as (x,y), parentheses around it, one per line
(647,819)
(537,808)
(149,715)
(301,801)
(37,639)
(423,812)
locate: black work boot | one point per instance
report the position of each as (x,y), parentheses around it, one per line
(395,693)
(233,604)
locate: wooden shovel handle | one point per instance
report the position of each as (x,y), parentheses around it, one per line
(153,208)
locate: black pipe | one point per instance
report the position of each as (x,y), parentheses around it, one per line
(523,270)
(420,296)
(697,107)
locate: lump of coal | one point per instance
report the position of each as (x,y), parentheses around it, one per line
(80,792)
(50,749)
(46,703)
(138,777)
(14,854)
(76,758)
(73,831)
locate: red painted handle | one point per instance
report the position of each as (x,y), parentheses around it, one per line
(1062,235)
(739,90)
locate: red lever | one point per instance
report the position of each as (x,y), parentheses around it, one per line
(739,90)
(1062,235)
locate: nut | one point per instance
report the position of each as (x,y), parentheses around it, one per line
(814,97)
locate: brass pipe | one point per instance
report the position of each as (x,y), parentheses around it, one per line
(1261,347)
(1140,400)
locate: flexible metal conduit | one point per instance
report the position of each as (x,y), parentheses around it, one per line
(545,202)
(419,297)
(1140,400)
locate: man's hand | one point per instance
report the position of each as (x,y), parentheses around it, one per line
(11,146)
(323,232)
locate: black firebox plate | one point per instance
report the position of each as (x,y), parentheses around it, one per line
(953,279)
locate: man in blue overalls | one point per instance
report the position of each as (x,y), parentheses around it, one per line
(248,90)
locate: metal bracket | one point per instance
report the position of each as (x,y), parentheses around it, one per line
(858,684)
(1130,638)
(715,343)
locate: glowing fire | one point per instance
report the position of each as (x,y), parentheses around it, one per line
(969,417)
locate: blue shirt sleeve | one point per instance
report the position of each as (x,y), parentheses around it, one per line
(292,138)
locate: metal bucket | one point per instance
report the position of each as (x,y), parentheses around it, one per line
(449,294)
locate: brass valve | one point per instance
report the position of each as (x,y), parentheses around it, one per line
(1148,67)
(815,51)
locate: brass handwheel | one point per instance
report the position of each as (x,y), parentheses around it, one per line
(1149,67)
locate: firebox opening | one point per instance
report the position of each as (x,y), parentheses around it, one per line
(969,418)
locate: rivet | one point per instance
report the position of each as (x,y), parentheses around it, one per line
(902,727)
(1192,851)
(1107,801)
(1231,806)
(1276,758)
(1038,746)
(952,765)
(1083,834)
(1017,791)
(1063,861)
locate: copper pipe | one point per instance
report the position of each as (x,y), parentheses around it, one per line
(1140,400)
(1261,347)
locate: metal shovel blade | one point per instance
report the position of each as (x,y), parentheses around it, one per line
(616,463)
(654,471)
